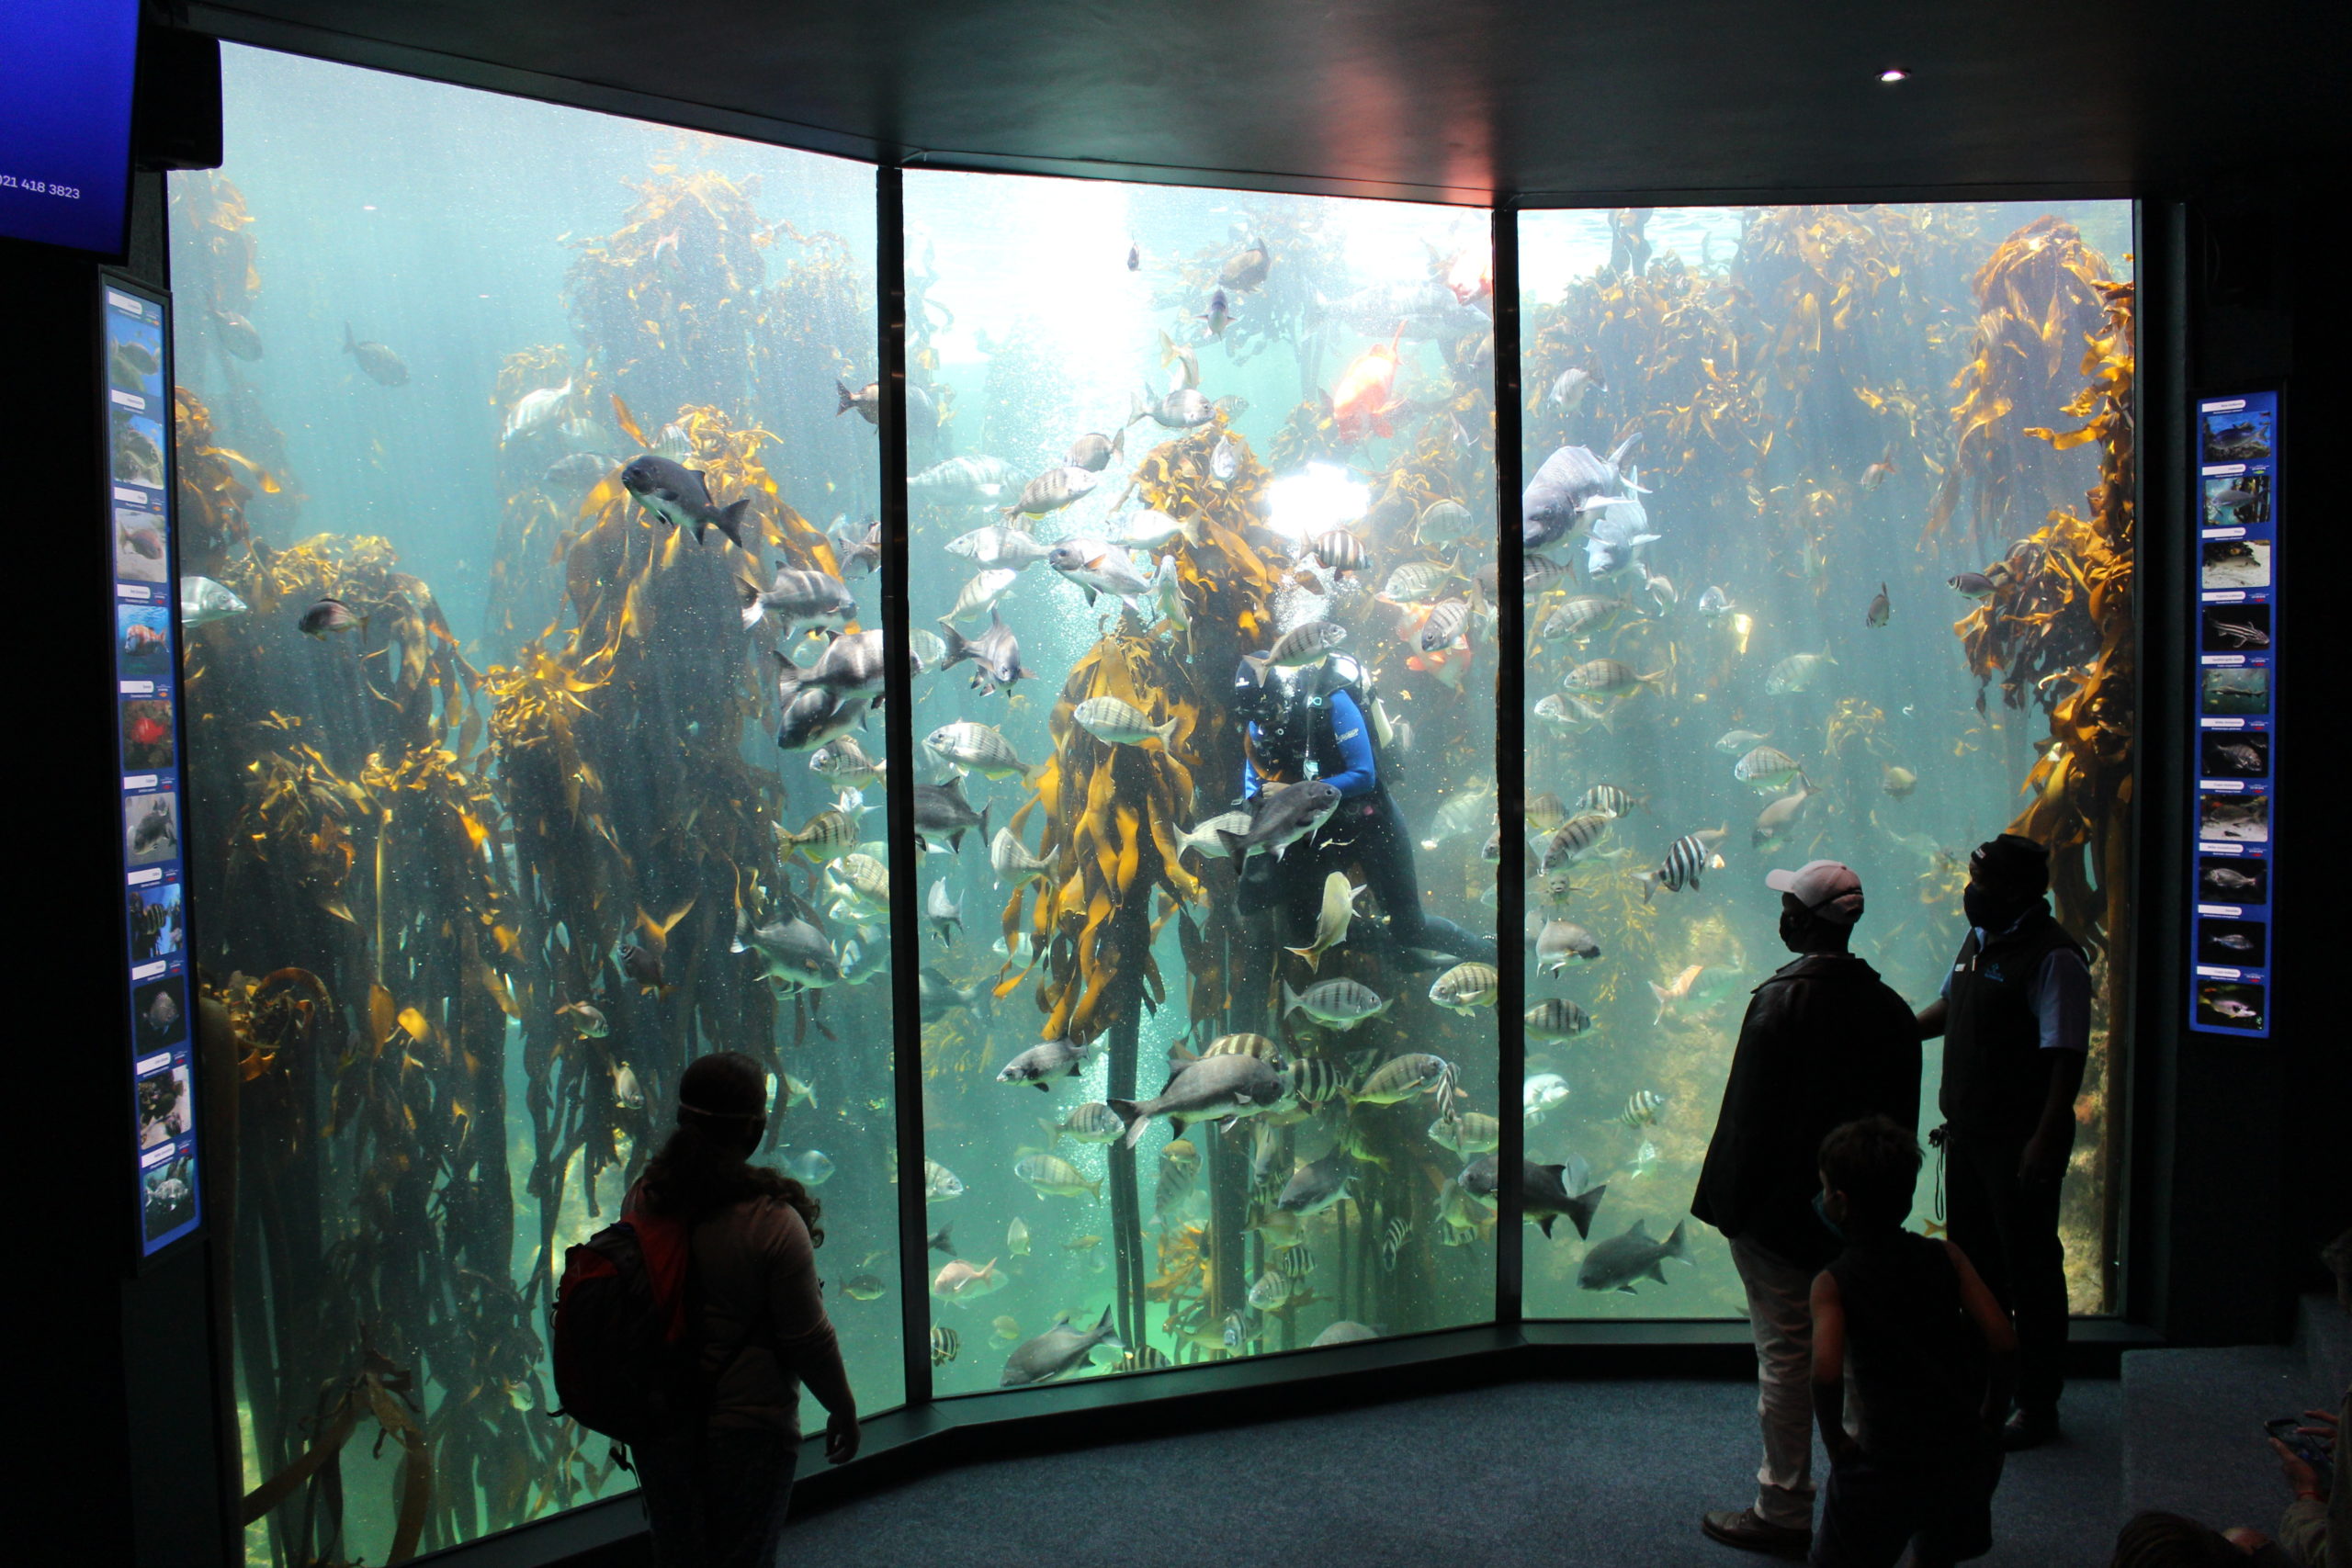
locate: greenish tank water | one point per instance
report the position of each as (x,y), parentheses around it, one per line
(576,795)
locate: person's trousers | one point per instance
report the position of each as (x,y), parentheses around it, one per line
(2009,1231)
(718,1503)
(1780,1309)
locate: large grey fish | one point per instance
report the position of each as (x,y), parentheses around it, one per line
(1097,567)
(380,363)
(1548,1191)
(677,495)
(972,479)
(812,716)
(942,812)
(1615,539)
(203,600)
(1317,1185)
(1213,1089)
(1554,502)
(1616,1263)
(798,600)
(1561,941)
(1094,451)
(1056,1351)
(936,997)
(1043,1062)
(1183,409)
(1282,820)
(999,545)
(238,335)
(793,951)
(850,665)
(1052,490)
(996,652)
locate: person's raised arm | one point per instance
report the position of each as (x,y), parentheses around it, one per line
(2000,1338)
(1349,727)
(1829,1368)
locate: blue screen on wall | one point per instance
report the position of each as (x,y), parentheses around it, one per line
(65,120)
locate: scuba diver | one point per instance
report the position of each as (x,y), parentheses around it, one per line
(1313,725)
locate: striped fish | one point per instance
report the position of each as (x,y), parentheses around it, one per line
(1294,1263)
(1641,1109)
(1546,812)
(1556,1019)
(1581,616)
(1340,552)
(1146,1359)
(1256,1045)
(1471,1133)
(1542,572)
(1687,858)
(1467,986)
(944,1343)
(1392,1242)
(1314,1081)
(1401,1077)
(1606,797)
(1446,622)
(1575,839)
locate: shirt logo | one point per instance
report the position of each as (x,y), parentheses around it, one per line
(1352,734)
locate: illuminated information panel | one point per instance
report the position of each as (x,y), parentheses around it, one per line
(137,352)
(2235,812)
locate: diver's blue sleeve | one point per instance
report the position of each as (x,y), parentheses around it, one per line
(1362,775)
(1249,779)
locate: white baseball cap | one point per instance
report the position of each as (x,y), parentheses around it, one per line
(1827,887)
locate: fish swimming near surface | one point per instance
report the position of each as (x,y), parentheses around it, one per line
(678,496)
(1056,1351)
(380,363)
(1616,1263)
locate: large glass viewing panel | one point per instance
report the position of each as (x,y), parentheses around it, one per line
(1829,522)
(509,839)
(1183,460)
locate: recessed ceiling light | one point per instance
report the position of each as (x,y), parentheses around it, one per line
(1894,74)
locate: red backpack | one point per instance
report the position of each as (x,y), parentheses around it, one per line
(625,1362)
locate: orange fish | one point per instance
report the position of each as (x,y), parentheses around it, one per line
(1471,274)
(146,729)
(1360,405)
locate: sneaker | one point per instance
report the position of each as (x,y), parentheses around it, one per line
(2028,1429)
(1741,1528)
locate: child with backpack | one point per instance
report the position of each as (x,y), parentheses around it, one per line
(688,1330)
(1933,1357)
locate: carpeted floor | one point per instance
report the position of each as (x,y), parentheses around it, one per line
(1551,1474)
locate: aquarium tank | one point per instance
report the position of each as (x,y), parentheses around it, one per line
(1829,548)
(496,833)
(1202,551)
(531,467)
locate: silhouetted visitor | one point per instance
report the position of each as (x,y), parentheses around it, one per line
(1930,1357)
(717,1493)
(2015,1015)
(1825,1043)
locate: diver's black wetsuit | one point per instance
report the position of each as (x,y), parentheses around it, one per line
(1367,832)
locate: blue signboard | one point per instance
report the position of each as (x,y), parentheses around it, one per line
(2235,694)
(65,120)
(154,822)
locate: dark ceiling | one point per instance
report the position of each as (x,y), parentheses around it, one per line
(1455,101)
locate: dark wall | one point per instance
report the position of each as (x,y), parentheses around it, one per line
(117,1454)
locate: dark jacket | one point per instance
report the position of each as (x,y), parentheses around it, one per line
(764,1329)
(1825,1042)
(1996,1074)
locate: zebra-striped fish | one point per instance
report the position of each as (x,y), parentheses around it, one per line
(1256,1045)
(944,1343)
(1294,1263)
(1556,1019)
(1641,1109)
(1471,1133)
(1009,858)
(1575,839)
(1687,858)
(1314,1082)
(1466,986)
(1606,797)
(1146,1359)
(1339,551)
(1446,622)
(1400,1077)
(1392,1242)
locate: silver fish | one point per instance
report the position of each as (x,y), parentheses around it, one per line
(1210,1090)
(1120,722)
(983,592)
(1616,1263)
(1009,858)
(1045,1061)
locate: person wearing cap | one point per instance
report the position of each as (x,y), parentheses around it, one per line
(2015,1016)
(717,1493)
(1311,724)
(1826,1042)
